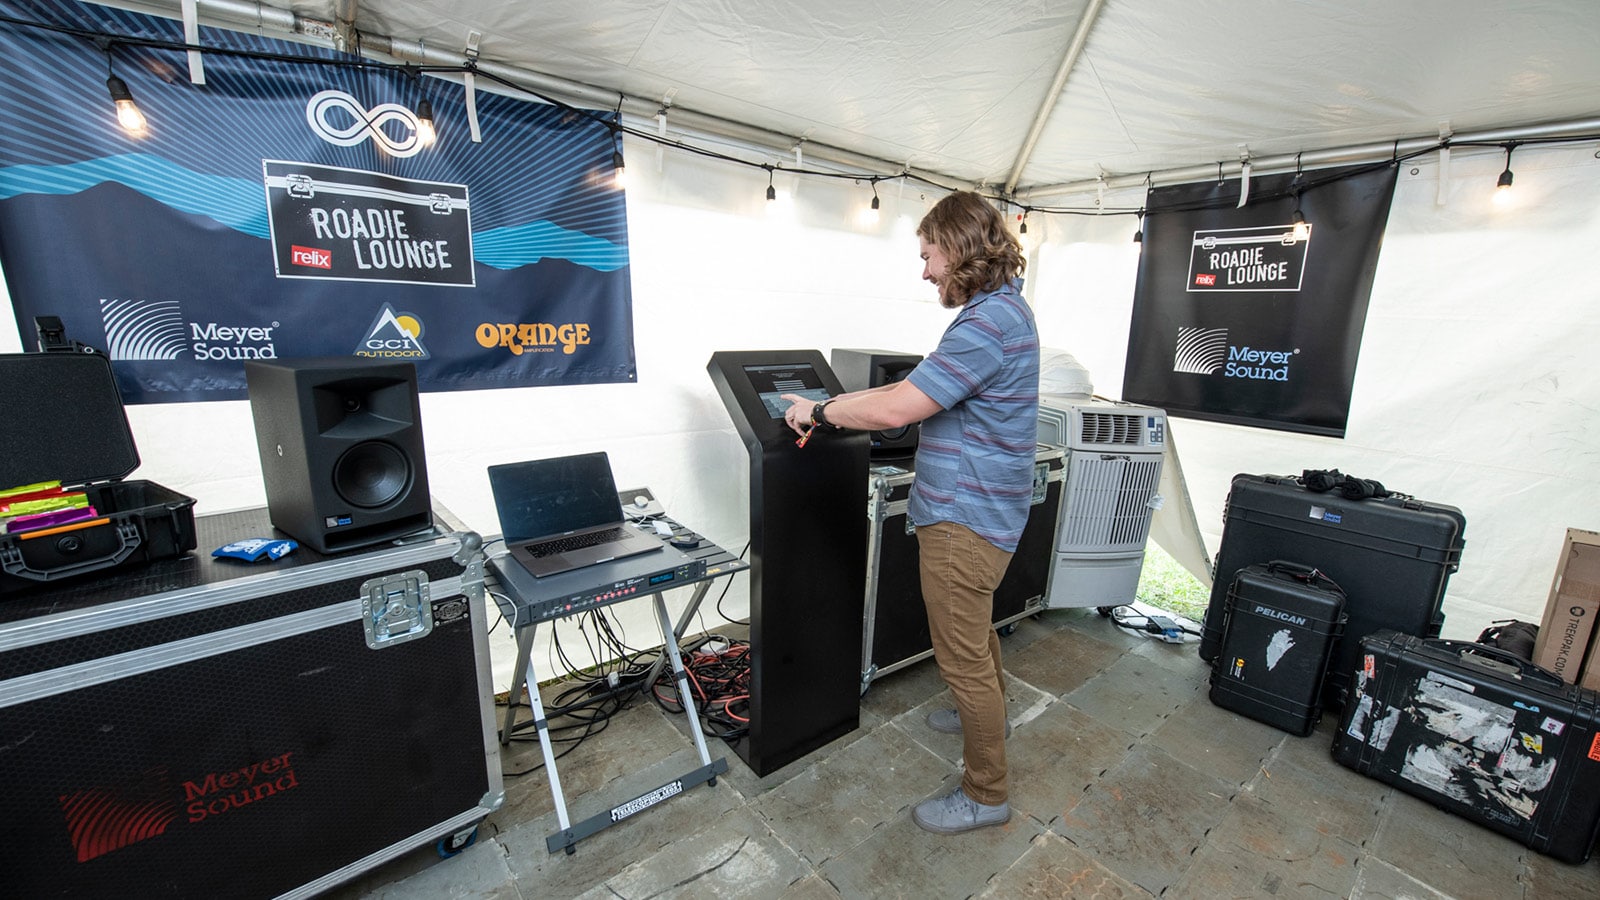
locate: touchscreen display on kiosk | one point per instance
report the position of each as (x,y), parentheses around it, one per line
(772,382)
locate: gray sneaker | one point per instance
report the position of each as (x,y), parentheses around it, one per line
(948,721)
(956,812)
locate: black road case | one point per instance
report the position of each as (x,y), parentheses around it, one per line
(1480,733)
(895,630)
(212,728)
(1279,629)
(64,421)
(1392,556)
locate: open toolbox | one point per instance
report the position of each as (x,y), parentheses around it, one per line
(64,421)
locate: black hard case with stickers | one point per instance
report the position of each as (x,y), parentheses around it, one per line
(1481,733)
(203,727)
(1280,625)
(1393,557)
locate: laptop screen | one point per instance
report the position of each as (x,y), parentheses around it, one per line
(543,497)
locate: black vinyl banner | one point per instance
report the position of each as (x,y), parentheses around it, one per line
(295,205)
(1242,315)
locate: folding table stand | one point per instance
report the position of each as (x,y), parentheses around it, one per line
(526,594)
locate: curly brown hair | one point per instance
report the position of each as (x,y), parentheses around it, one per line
(981,253)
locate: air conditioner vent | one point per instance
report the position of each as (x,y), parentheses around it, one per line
(1111,428)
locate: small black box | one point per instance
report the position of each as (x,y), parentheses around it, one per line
(64,422)
(1280,627)
(1478,732)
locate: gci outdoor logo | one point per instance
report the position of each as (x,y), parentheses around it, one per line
(1206,351)
(393,335)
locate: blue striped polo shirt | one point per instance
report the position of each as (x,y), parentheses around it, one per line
(975,457)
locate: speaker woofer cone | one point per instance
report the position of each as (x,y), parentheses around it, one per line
(371,474)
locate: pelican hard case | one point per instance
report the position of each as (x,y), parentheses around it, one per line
(64,422)
(1392,556)
(1481,733)
(203,727)
(1278,633)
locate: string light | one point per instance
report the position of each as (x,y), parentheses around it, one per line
(1301,231)
(868,217)
(1138,234)
(425,131)
(133,120)
(1022,225)
(129,115)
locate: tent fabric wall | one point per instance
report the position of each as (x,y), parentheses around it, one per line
(1477,379)
(1476,384)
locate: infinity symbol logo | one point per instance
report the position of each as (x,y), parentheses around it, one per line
(364,123)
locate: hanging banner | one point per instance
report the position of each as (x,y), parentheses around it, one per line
(1239,316)
(287,208)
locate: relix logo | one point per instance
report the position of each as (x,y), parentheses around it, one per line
(315,257)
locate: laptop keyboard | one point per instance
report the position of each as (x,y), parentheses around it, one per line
(576,542)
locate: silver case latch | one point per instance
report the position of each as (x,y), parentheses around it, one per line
(396,608)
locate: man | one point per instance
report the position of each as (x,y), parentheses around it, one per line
(977,397)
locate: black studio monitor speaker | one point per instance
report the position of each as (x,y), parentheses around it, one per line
(859,370)
(341,449)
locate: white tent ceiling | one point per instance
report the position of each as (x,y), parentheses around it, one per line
(955,88)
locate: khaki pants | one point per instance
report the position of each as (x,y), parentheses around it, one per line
(960,572)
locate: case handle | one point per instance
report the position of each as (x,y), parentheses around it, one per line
(14,563)
(1302,572)
(1518,667)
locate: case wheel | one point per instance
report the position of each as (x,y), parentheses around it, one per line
(450,845)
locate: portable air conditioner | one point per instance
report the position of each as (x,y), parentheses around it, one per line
(1113,474)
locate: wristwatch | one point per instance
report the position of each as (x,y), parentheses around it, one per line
(819,415)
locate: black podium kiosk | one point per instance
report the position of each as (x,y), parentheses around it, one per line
(807,557)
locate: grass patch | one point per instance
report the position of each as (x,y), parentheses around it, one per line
(1165,584)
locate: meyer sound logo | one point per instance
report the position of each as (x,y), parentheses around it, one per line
(1206,351)
(1201,351)
(363,123)
(143,329)
(393,335)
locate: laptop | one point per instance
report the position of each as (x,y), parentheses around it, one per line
(562,514)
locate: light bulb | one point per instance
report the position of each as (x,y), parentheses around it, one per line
(128,114)
(425,133)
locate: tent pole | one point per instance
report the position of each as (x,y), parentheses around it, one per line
(1354,155)
(1052,96)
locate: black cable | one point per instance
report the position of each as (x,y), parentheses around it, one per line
(611,120)
(728,584)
